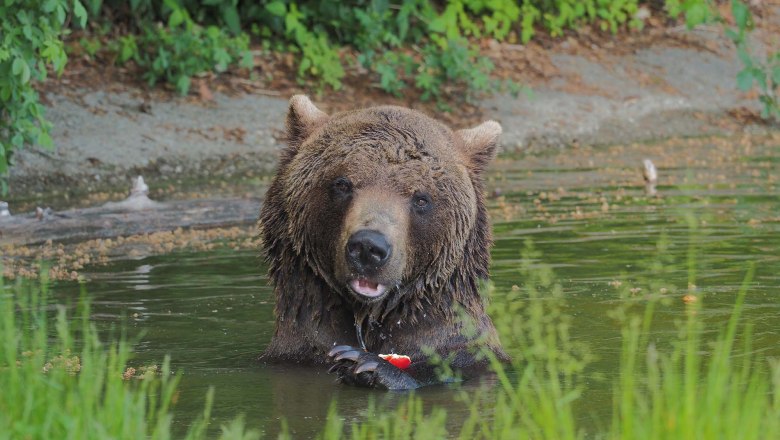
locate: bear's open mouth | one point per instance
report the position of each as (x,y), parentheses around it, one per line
(365,287)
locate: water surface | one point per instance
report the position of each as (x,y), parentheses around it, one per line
(585,211)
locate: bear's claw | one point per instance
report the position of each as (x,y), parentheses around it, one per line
(352,355)
(369,365)
(353,366)
(339,349)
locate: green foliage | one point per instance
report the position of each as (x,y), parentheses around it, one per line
(29,44)
(411,43)
(765,73)
(559,15)
(476,18)
(695,12)
(434,69)
(182,49)
(319,57)
(56,388)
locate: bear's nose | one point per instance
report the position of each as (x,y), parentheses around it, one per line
(368,250)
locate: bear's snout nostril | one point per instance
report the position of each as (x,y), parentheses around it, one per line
(368,250)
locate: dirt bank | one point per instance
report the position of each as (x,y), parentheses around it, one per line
(678,83)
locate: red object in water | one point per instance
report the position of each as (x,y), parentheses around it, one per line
(398,360)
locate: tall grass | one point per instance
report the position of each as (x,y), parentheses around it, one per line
(689,388)
(695,389)
(50,388)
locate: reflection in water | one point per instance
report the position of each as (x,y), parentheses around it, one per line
(212,312)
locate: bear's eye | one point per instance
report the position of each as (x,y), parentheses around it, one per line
(342,186)
(421,202)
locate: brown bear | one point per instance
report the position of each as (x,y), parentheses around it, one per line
(377,236)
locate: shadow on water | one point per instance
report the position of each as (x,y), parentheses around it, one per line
(213,312)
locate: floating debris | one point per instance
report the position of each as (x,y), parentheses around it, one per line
(650,174)
(4,212)
(42,213)
(67,260)
(47,213)
(137,200)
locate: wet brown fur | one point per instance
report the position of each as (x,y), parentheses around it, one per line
(384,150)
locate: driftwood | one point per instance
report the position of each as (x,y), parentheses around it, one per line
(100,222)
(135,215)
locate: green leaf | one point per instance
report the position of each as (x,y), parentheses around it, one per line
(277,8)
(222,59)
(61,13)
(48,6)
(80,13)
(741,14)
(230,14)
(44,140)
(176,18)
(733,36)
(21,69)
(776,75)
(438,24)
(745,79)
(17,140)
(759,77)
(247,59)
(696,15)
(183,84)
(744,55)
(16,66)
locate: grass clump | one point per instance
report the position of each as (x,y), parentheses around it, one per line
(55,388)
(686,387)
(695,389)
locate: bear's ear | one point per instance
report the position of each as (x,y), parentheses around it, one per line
(303,118)
(480,144)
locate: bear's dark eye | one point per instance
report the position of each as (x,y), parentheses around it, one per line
(421,202)
(342,187)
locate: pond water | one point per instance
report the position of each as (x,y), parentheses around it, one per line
(586,212)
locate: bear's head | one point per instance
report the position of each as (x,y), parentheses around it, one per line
(380,204)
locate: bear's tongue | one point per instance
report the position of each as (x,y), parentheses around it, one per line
(367,288)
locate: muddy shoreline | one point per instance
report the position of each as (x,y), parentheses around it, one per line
(681,84)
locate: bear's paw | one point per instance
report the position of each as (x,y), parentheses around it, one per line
(354,366)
